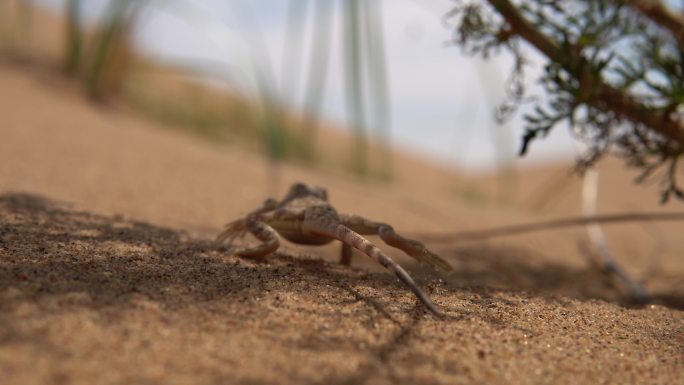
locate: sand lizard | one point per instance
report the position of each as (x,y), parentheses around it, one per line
(305,216)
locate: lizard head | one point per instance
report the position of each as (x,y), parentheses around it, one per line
(299,190)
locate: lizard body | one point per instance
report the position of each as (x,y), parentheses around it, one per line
(305,216)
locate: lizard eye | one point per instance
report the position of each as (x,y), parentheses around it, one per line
(320,193)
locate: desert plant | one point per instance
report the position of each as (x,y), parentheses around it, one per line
(613,71)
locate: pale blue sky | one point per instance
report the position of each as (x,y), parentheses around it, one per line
(441,102)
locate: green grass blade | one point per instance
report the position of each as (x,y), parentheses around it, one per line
(318,69)
(378,89)
(116,30)
(74,41)
(354,86)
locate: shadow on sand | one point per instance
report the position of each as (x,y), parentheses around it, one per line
(47,248)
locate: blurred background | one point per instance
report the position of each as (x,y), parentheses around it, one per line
(385,72)
(345,87)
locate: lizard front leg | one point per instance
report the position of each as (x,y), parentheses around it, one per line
(329,226)
(413,248)
(262,231)
(238,228)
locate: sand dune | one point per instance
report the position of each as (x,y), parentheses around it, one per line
(108,276)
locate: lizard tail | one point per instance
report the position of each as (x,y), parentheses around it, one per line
(346,235)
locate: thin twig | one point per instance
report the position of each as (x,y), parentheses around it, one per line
(474,235)
(603,257)
(618,277)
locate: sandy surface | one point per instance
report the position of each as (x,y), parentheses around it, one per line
(107,274)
